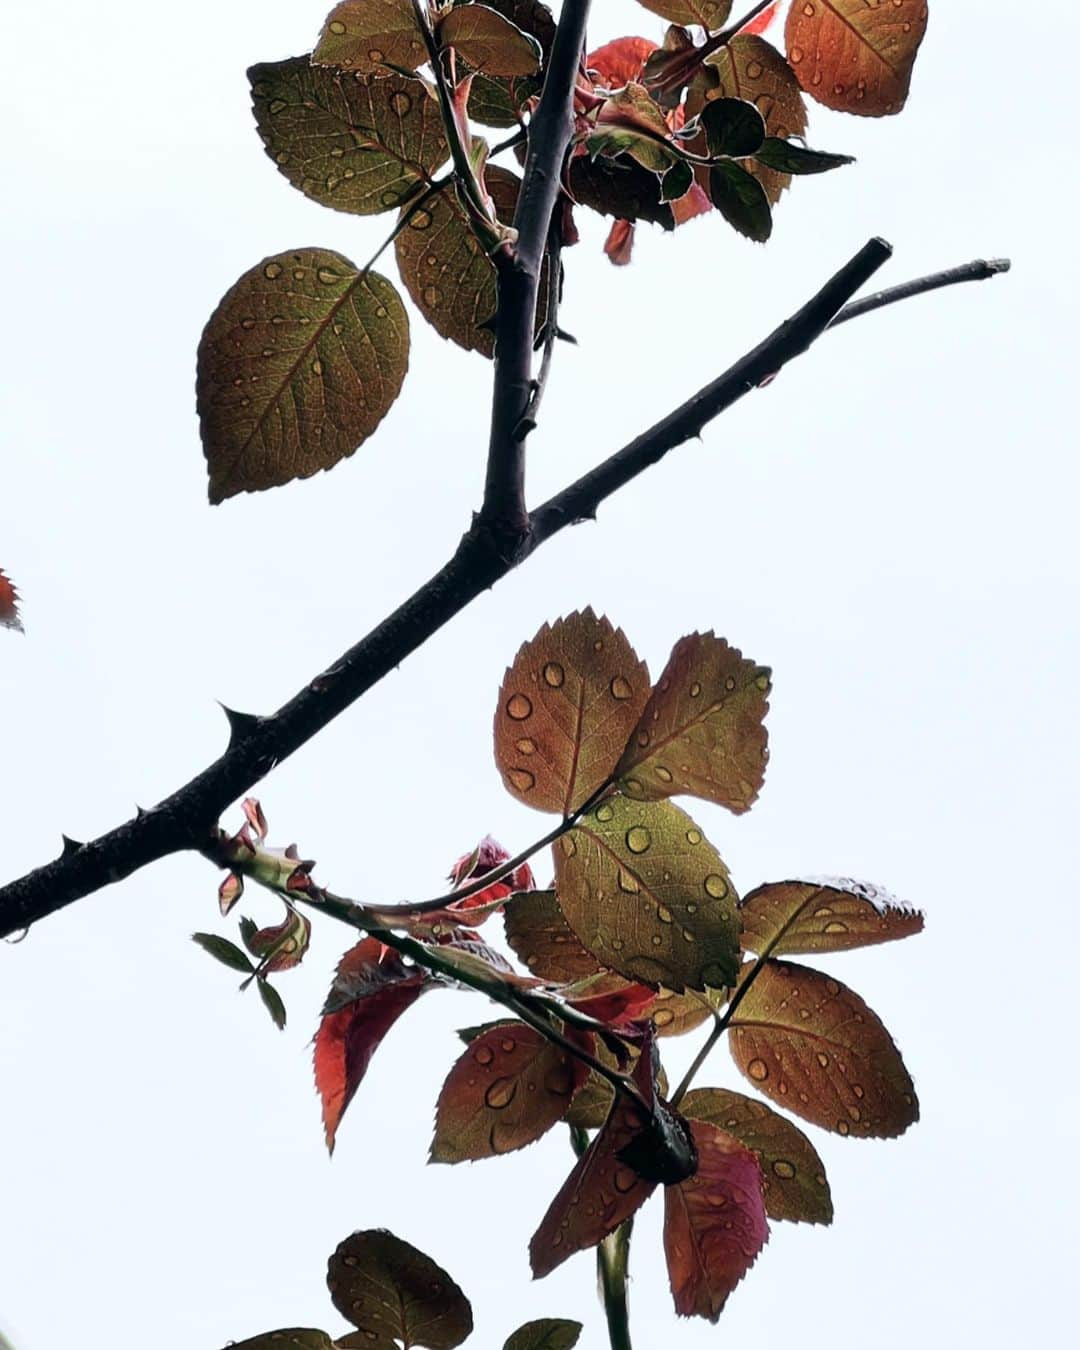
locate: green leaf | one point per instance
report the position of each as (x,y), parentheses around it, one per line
(354,142)
(732,126)
(832,914)
(368,35)
(793,1178)
(248,930)
(297,366)
(741,200)
(548,1333)
(649,896)
(619,187)
(500,101)
(677,182)
(221,949)
(791,157)
(543,941)
(489,42)
(272,1003)
(708,14)
(388,1289)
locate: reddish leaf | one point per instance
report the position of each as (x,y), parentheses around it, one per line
(763,20)
(814,1047)
(618,63)
(714,1223)
(619,245)
(488,855)
(371,989)
(609,998)
(853,56)
(287,940)
(9,604)
(830,914)
(600,1192)
(509,1087)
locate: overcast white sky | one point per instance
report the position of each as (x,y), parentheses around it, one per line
(891,526)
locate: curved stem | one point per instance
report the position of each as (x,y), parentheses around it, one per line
(612,1265)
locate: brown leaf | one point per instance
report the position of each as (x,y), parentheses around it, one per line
(488,41)
(296,1338)
(675,1014)
(9,604)
(619,245)
(649,896)
(702,729)
(714,1223)
(387,1288)
(547,1333)
(750,68)
(827,914)
(600,1192)
(854,56)
(793,1178)
(565,709)
(709,14)
(355,142)
(366,35)
(815,1048)
(544,942)
(500,102)
(509,1087)
(592,1102)
(297,366)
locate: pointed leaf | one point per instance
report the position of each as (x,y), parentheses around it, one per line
(498,101)
(488,855)
(708,14)
(815,1048)
(593,1101)
(619,245)
(451,279)
(288,941)
(358,143)
(566,707)
(714,1223)
(387,1288)
(749,67)
(763,20)
(371,989)
(732,126)
(741,200)
(823,914)
(9,604)
(677,182)
(701,731)
(488,41)
(675,1014)
(297,366)
(509,1087)
(221,949)
(369,35)
(544,942)
(620,62)
(649,896)
(791,157)
(291,1338)
(853,56)
(793,1178)
(272,1003)
(619,187)
(600,1192)
(548,1333)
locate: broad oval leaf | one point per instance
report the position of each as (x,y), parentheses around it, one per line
(369,35)
(793,1180)
(358,143)
(714,1223)
(501,101)
(547,1333)
(451,279)
(619,187)
(600,1192)
(509,1087)
(488,41)
(649,896)
(708,14)
(566,707)
(387,1288)
(297,366)
(748,67)
(823,914)
(814,1047)
(854,56)
(371,989)
(733,126)
(741,200)
(9,604)
(292,1338)
(544,942)
(702,730)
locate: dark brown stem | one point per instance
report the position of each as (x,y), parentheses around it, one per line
(982,269)
(187,818)
(504,509)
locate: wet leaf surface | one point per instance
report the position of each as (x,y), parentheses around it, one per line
(488,41)
(854,56)
(365,35)
(826,914)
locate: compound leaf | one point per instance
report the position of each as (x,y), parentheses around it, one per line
(566,707)
(823,914)
(815,1048)
(853,56)
(297,366)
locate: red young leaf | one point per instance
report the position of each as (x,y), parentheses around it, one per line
(620,62)
(371,989)
(619,245)
(290,938)
(487,855)
(509,1087)
(600,1192)
(714,1223)
(763,20)
(609,998)
(9,604)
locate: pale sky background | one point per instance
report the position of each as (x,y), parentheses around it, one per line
(891,526)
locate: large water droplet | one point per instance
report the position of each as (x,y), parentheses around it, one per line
(716,886)
(620,688)
(638,839)
(783,1169)
(272,271)
(518,707)
(501,1093)
(554,675)
(484,1054)
(758,1070)
(605,813)
(522,779)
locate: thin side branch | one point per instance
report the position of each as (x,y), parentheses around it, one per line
(187,818)
(982,269)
